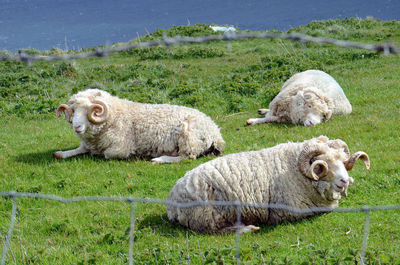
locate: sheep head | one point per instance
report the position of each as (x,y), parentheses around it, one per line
(328,162)
(83,111)
(310,107)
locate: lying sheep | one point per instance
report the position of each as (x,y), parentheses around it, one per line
(301,175)
(118,128)
(307,98)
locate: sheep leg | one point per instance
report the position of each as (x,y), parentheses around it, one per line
(166,159)
(65,154)
(267,118)
(254,121)
(240,229)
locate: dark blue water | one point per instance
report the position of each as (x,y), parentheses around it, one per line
(73,24)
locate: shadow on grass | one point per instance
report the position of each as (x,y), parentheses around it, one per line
(162,226)
(46,157)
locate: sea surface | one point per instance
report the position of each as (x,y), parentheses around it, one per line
(72,24)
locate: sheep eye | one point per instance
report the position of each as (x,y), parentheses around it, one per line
(309,106)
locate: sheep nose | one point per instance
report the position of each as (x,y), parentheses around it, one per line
(77,128)
(309,123)
(345,182)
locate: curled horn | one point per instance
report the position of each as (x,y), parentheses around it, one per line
(98,112)
(358,155)
(63,108)
(337,144)
(304,161)
(322,165)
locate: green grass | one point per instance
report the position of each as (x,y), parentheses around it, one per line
(229,84)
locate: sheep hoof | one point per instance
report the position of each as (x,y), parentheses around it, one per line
(249,228)
(58,155)
(166,159)
(240,229)
(156,161)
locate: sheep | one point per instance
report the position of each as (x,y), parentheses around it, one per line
(301,175)
(307,98)
(118,128)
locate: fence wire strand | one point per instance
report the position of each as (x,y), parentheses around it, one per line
(7,240)
(14,195)
(131,233)
(237,236)
(386,48)
(365,236)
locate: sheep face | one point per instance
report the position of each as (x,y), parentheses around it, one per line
(79,121)
(336,181)
(327,163)
(84,113)
(309,107)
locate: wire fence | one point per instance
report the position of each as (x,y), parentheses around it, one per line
(131,200)
(386,48)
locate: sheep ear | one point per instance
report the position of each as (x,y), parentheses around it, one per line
(328,114)
(328,101)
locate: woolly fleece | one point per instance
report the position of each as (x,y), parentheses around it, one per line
(266,176)
(148,130)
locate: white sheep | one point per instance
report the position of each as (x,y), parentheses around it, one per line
(118,128)
(307,98)
(301,175)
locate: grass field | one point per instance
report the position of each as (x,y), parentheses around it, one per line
(229,83)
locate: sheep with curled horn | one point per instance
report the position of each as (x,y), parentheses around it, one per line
(307,98)
(303,175)
(119,128)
